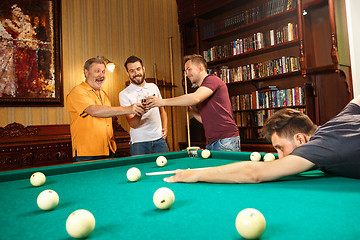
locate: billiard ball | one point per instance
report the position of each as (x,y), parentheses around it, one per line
(269,157)
(255,156)
(163,198)
(48,200)
(205,153)
(161,161)
(250,223)
(37,179)
(80,223)
(133,174)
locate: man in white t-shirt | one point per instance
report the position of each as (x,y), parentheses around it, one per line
(147,132)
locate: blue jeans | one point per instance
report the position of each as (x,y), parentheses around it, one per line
(225,144)
(157,146)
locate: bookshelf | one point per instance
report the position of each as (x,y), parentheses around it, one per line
(271,54)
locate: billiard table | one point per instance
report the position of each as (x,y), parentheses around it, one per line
(312,205)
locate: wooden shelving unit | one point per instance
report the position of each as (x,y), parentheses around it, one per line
(207,26)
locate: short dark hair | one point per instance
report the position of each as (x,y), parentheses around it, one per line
(197,59)
(287,122)
(91,61)
(132,59)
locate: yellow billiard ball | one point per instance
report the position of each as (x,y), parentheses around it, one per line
(205,153)
(133,174)
(163,198)
(250,223)
(80,223)
(255,156)
(269,157)
(161,161)
(48,200)
(37,179)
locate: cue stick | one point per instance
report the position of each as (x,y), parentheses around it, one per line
(172,93)
(155,74)
(171,172)
(187,113)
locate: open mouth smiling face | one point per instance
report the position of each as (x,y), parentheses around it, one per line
(100,80)
(95,76)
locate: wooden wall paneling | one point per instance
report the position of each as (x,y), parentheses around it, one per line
(115,29)
(300,20)
(22,146)
(334,49)
(317,35)
(186,10)
(44,145)
(332,94)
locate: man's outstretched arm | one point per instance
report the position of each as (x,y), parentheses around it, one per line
(245,172)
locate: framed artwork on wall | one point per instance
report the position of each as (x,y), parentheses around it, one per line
(30,53)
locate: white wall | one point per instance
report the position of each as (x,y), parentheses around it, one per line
(353,19)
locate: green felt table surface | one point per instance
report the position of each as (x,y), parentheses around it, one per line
(311,205)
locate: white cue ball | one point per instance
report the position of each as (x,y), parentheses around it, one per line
(163,198)
(48,200)
(133,174)
(80,223)
(255,156)
(205,153)
(250,223)
(161,161)
(269,157)
(37,179)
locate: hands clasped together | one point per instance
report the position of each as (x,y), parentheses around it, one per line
(145,105)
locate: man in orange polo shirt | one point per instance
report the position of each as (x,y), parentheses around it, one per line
(91,115)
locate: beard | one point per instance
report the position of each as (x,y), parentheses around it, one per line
(138,82)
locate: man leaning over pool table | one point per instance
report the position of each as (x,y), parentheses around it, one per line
(333,148)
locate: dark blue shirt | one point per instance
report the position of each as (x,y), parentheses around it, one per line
(335,146)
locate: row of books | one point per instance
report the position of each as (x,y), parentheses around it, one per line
(257,118)
(249,134)
(251,123)
(256,41)
(268,68)
(267,9)
(269,98)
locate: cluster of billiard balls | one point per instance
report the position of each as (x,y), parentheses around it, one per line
(79,224)
(164,197)
(268,157)
(250,223)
